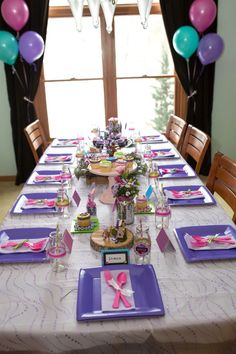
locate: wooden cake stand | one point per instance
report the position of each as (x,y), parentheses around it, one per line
(106,197)
(98,243)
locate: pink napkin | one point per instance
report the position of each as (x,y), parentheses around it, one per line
(162,153)
(188,194)
(150,138)
(45,178)
(170,171)
(38,204)
(61,158)
(68,142)
(210,242)
(51,178)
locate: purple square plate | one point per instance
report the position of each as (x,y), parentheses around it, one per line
(188,171)
(22,233)
(42,160)
(153,139)
(143,278)
(16,207)
(31,179)
(207,200)
(171,154)
(204,255)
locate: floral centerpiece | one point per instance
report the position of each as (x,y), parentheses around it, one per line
(125,189)
(126,186)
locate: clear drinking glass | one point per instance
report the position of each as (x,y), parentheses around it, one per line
(56,251)
(66,176)
(142,244)
(63,202)
(162,213)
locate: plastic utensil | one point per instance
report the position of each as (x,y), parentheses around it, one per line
(121,280)
(34,246)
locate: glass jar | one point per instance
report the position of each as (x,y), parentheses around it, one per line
(125,211)
(66,176)
(162,213)
(63,202)
(56,251)
(142,244)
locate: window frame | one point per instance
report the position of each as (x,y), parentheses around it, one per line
(109,66)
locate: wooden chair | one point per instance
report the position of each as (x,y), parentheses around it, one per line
(195,144)
(36,139)
(175,130)
(222,180)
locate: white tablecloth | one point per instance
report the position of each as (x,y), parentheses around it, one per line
(199,298)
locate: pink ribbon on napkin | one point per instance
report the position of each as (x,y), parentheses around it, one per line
(202,241)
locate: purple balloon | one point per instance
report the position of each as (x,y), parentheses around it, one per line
(210,48)
(202,14)
(31,46)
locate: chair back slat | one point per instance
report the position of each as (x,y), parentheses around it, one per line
(222,180)
(195,144)
(34,137)
(175,130)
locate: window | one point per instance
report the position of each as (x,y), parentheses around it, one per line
(91,75)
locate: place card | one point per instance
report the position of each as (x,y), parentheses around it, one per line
(148,192)
(164,242)
(68,240)
(112,257)
(76,198)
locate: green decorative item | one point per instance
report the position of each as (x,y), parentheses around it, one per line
(8,48)
(185,41)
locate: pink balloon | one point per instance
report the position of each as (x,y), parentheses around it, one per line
(15,13)
(202,14)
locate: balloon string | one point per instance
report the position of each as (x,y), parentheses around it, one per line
(189,78)
(194,68)
(24,72)
(18,77)
(200,74)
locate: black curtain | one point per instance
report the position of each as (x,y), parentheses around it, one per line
(22,87)
(176,14)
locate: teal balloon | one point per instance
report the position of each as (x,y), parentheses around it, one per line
(8,48)
(185,41)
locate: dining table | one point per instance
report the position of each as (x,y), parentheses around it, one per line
(38,307)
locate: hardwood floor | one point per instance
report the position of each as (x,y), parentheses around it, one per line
(8,193)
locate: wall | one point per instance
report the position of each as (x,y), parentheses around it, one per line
(223,117)
(224,113)
(7,159)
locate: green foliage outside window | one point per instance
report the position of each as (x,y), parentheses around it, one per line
(164,96)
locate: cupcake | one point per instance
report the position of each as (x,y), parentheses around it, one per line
(153,174)
(129,159)
(122,141)
(120,162)
(84,219)
(94,159)
(105,165)
(119,154)
(141,203)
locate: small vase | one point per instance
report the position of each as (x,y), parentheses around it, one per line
(125,210)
